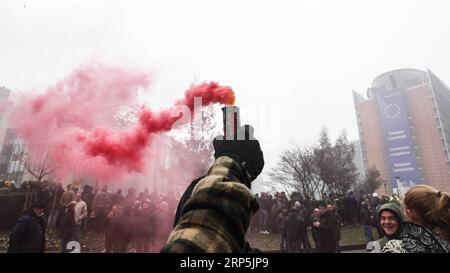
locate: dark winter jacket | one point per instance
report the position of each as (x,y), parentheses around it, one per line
(367,216)
(351,204)
(117,198)
(364,215)
(328,229)
(28,235)
(67,228)
(101,202)
(264,203)
(281,222)
(314,218)
(308,206)
(163,223)
(294,225)
(123,226)
(277,206)
(338,227)
(144,223)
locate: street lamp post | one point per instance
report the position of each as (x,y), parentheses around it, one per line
(397,178)
(385,191)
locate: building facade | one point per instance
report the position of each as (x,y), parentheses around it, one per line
(404,129)
(12,148)
(4,103)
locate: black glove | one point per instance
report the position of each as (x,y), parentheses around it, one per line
(246,152)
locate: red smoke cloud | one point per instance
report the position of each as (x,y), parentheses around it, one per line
(74,121)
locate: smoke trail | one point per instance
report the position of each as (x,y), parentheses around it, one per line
(74,121)
(125,148)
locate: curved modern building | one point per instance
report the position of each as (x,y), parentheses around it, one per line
(404,129)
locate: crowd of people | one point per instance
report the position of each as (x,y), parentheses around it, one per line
(292,219)
(130,223)
(218,209)
(143,222)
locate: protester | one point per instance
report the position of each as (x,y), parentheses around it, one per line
(216,216)
(367,217)
(88,197)
(145,228)
(351,208)
(117,198)
(80,213)
(264,204)
(101,206)
(164,224)
(338,228)
(315,217)
(282,228)
(111,220)
(427,228)
(68,226)
(67,197)
(327,226)
(28,234)
(294,229)
(389,218)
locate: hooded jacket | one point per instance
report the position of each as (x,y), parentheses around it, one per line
(397,211)
(411,238)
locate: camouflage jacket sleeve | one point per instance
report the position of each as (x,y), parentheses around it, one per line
(217,215)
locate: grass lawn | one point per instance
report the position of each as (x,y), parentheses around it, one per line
(94,242)
(350,235)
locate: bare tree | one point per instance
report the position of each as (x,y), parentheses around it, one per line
(318,169)
(296,170)
(39,168)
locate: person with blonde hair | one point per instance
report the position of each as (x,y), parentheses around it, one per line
(427,225)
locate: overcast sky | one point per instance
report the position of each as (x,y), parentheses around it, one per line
(296,61)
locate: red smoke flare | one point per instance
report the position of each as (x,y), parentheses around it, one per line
(125,148)
(74,121)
